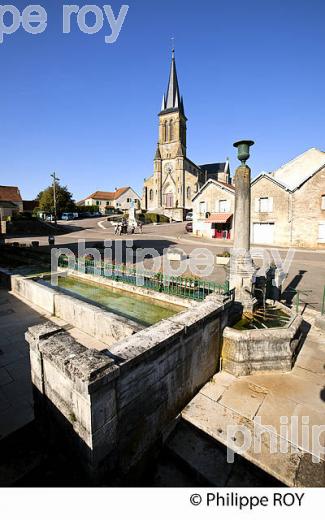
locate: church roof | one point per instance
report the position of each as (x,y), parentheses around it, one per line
(173,100)
(212,168)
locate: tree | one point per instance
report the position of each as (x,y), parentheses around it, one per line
(64,200)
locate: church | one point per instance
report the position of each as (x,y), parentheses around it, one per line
(176,179)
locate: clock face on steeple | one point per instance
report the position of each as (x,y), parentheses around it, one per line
(168,168)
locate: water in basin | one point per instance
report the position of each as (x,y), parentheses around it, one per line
(267,318)
(135,307)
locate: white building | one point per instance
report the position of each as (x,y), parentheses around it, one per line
(108,201)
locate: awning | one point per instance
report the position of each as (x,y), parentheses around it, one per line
(219,218)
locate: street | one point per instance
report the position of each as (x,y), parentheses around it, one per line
(306,272)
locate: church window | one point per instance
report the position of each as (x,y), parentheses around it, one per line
(171,130)
(188,192)
(323,202)
(165,132)
(150,194)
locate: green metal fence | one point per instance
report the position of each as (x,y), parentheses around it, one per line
(190,288)
(323,303)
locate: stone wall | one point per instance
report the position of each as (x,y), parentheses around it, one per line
(91,319)
(308,213)
(117,404)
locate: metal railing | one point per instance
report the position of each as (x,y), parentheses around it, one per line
(189,288)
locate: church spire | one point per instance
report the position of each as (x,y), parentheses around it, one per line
(173,100)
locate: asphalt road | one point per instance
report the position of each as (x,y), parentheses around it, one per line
(306,272)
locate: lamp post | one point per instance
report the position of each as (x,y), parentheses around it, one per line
(55,179)
(241,266)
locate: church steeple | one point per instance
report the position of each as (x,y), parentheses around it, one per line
(173,100)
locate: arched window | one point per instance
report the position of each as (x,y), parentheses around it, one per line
(150,194)
(165,132)
(188,192)
(171,128)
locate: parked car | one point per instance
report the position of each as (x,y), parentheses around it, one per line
(189,227)
(189,216)
(67,216)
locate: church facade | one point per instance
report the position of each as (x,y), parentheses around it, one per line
(176,179)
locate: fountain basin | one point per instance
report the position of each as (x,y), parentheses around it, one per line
(247,350)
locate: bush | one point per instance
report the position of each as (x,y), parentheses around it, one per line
(150,218)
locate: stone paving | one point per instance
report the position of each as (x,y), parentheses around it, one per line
(244,401)
(16,400)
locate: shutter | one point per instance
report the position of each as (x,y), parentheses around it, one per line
(257,205)
(270,204)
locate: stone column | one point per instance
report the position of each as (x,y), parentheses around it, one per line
(241,265)
(242,207)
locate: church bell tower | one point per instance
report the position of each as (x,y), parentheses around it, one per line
(171,148)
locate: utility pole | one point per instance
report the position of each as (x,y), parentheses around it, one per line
(55,179)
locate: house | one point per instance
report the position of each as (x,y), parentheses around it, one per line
(176,179)
(106,201)
(10,201)
(287,205)
(213,210)
(29,206)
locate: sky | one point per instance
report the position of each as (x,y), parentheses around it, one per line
(73,104)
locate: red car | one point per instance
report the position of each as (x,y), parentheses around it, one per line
(189,227)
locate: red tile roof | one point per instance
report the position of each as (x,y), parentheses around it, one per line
(10,193)
(108,195)
(219,218)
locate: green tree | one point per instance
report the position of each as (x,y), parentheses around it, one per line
(64,200)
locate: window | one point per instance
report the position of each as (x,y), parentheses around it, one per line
(223,206)
(164,132)
(97,203)
(128,200)
(171,130)
(323,202)
(264,205)
(188,192)
(321,232)
(203,208)
(150,194)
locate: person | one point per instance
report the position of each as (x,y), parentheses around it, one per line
(51,240)
(140,226)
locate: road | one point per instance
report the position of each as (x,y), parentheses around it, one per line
(306,272)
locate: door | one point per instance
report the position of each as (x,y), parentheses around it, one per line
(169,200)
(263,233)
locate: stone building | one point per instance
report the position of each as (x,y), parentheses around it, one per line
(213,209)
(10,201)
(120,199)
(287,209)
(288,205)
(176,179)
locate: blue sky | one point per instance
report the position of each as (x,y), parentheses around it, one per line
(88,110)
